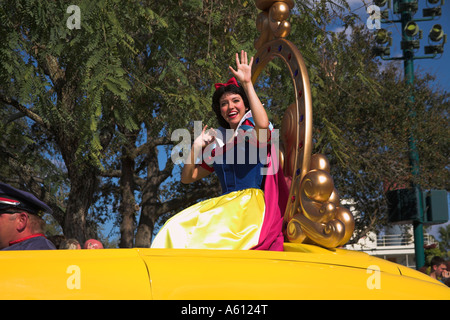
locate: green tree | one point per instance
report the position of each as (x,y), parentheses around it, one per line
(87,114)
(185,57)
(364,124)
(444,235)
(69,84)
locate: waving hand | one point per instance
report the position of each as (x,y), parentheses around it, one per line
(244,69)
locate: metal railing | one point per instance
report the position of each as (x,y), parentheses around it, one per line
(403,239)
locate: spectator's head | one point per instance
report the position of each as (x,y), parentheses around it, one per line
(438,265)
(20,214)
(93,244)
(70,244)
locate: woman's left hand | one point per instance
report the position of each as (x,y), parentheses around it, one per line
(244,75)
(244,69)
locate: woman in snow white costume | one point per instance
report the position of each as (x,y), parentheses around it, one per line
(249,213)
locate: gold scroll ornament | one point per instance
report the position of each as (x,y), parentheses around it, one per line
(313,212)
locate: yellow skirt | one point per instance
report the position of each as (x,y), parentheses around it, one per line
(231,221)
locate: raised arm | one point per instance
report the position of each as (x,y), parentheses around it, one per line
(244,75)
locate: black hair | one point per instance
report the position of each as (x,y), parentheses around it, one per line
(437,261)
(216,101)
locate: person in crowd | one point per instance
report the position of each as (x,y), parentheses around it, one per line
(93,244)
(439,270)
(21,223)
(446,281)
(70,244)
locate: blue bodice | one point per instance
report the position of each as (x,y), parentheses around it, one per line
(238,163)
(243,172)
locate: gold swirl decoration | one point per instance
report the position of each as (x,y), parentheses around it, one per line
(313,212)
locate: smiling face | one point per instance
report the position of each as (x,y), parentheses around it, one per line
(232,108)
(218,104)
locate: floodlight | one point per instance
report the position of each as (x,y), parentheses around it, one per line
(382,36)
(411,29)
(436,33)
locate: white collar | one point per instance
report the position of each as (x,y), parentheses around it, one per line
(222,130)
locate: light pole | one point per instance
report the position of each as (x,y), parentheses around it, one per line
(410,43)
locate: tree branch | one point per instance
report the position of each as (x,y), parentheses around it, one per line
(111,173)
(159,141)
(27,112)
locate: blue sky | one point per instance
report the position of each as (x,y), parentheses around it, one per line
(438,67)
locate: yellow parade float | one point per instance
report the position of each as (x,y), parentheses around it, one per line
(312,266)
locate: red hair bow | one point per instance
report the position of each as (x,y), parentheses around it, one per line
(230,82)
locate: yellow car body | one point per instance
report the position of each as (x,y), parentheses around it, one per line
(300,272)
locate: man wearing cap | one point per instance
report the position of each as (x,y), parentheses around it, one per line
(21,225)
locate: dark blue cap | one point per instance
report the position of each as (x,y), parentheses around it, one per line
(12,198)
